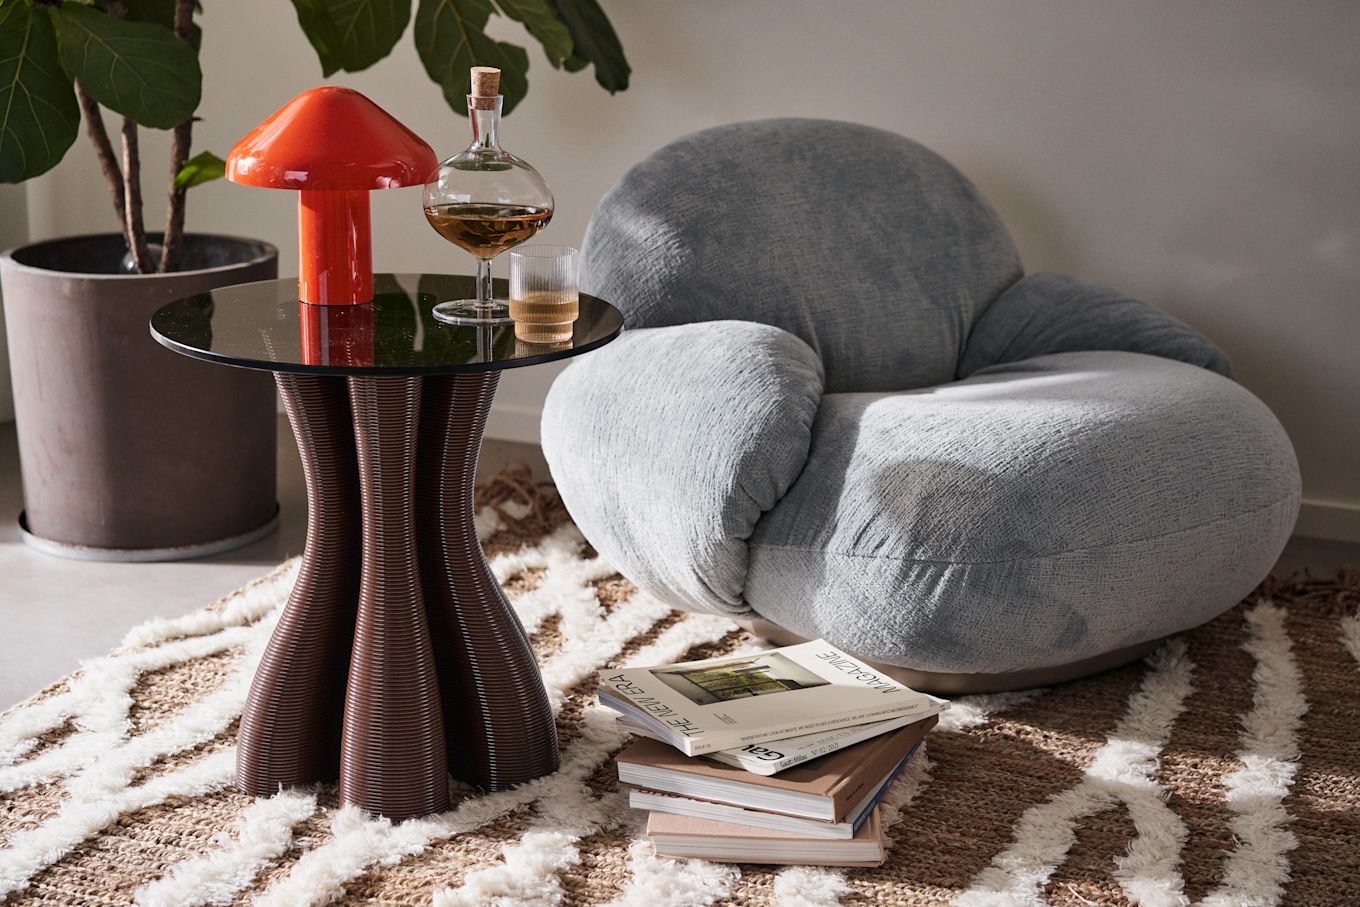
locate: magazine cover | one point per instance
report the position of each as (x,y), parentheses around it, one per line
(722,703)
(773,756)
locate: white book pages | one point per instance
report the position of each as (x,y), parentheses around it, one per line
(773,756)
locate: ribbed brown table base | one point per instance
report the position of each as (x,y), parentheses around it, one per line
(397,659)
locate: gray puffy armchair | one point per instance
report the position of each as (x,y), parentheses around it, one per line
(842,407)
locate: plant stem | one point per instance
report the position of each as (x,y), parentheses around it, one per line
(132,200)
(103,149)
(125,183)
(173,238)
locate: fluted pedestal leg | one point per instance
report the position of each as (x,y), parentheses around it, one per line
(500,726)
(392,756)
(397,659)
(290,728)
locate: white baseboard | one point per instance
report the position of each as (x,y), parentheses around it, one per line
(1334,520)
(514,423)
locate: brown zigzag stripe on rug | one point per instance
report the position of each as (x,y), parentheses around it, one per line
(1222,771)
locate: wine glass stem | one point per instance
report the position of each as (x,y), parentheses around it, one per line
(484,283)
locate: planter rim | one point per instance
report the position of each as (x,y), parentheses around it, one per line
(267,251)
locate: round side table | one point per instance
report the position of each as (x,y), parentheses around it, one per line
(397,659)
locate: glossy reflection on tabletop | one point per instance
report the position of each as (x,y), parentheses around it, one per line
(336,335)
(263,325)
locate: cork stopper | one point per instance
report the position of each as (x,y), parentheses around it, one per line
(486,85)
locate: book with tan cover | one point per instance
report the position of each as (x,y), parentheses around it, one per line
(724,842)
(652,801)
(826,789)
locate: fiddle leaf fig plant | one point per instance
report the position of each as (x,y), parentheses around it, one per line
(64,61)
(451,38)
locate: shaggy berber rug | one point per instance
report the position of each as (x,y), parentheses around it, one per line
(1223,770)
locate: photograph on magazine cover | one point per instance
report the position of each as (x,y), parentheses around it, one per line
(739,678)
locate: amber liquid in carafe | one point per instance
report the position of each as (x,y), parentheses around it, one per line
(487,230)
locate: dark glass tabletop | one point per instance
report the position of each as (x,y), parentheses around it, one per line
(262,325)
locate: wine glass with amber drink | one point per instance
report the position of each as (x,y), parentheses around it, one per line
(485,200)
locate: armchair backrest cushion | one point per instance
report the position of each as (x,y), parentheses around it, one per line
(1056,313)
(872,249)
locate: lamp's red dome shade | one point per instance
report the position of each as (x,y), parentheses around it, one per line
(331,138)
(333,145)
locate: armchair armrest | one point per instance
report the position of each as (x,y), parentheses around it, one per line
(668,444)
(1054,313)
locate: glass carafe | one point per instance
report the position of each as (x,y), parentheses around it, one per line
(485,200)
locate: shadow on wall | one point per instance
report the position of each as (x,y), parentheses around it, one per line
(1041,231)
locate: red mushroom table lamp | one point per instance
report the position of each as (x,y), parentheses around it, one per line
(334,146)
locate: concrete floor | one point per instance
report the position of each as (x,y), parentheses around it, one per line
(56,612)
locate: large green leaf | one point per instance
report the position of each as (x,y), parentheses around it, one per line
(365,31)
(161,12)
(541,19)
(39,116)
(317,25)
(138,69)
(451,39)
(593,39)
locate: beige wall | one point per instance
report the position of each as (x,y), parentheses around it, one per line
(1202,156)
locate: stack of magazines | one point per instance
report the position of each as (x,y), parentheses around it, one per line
(768,757)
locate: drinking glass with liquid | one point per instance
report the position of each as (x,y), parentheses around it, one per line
(544,292)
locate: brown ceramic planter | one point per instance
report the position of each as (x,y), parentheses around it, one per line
(128,451)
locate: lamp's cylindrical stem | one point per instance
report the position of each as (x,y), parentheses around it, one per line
(335,249)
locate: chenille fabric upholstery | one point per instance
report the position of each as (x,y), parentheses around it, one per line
(840,405)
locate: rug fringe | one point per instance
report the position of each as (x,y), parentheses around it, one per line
(1336,595)
(516,483)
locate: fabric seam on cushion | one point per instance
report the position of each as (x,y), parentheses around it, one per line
(1036,557)
(977,324)
(774,405)
(807,458)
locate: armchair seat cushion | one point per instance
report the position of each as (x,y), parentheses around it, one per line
(1035,514)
